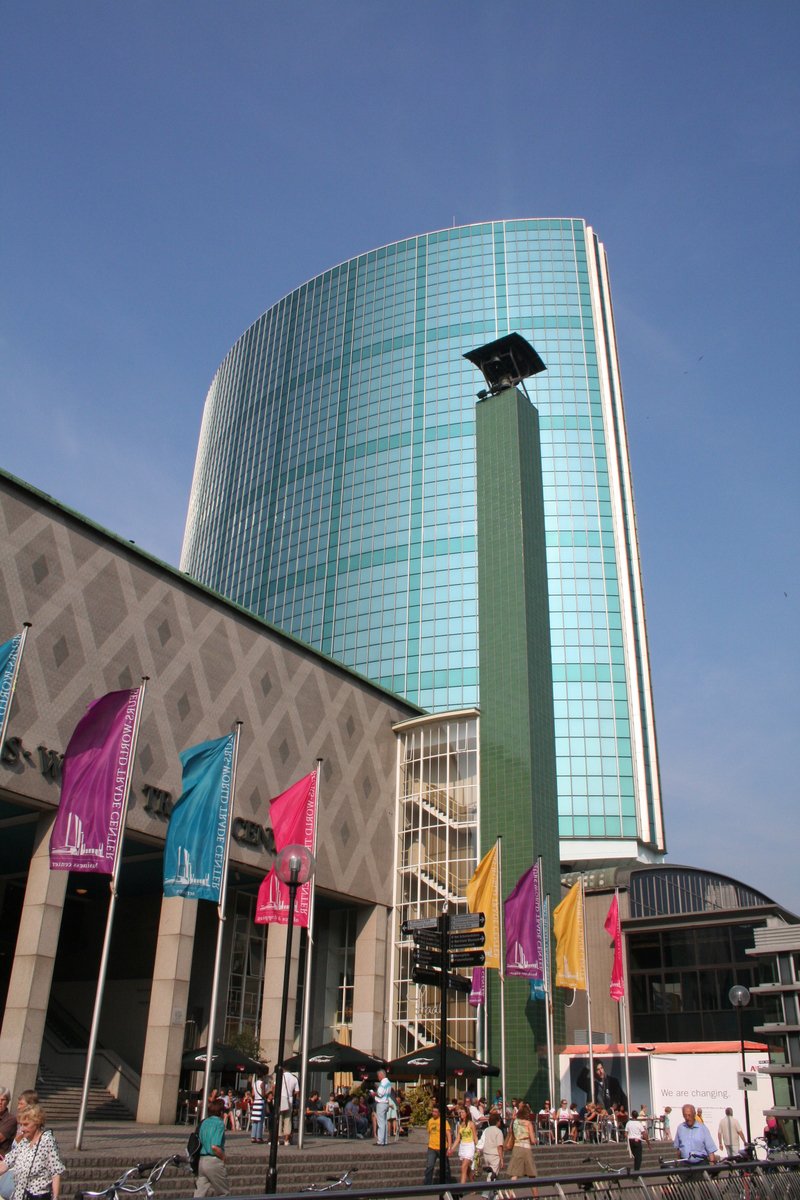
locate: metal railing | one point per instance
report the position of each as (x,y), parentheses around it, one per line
(768,1180)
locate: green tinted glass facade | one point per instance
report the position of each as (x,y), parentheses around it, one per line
(335,494)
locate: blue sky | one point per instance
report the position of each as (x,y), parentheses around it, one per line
(170,170)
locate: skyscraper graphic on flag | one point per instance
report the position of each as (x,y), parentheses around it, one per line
(523,915)
(94,784)
(483,895)
(568,928)
(614,930)
(194,851)
(293,816)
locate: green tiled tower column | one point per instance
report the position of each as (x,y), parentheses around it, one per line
(518,768)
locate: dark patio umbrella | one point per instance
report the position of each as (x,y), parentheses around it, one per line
(335,1056)
(426,1062)
(225,1058)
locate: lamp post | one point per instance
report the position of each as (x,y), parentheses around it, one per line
(294,866)
(739,997)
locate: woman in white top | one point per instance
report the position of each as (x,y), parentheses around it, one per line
(35,1158)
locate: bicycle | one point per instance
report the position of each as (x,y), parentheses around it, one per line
(124,1186)
(343,1183)
(613,1173)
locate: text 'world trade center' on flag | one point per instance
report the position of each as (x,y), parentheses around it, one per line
(94,785)
(194,851)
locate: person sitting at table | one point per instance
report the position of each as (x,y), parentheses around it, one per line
(591,1123)
(574,1122)
(316,1110)
(545,1123)
(562,1121)
(357,1121)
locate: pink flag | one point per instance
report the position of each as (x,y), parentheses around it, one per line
(477,996)
(612,928)
(293,815)
(94,781)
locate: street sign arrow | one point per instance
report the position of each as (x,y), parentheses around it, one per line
(466,958)
(459,941)
(427,937)
(467,921)
(428,958)
(457,983)
(419,923)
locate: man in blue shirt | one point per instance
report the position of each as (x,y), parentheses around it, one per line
(212,1178)
(383,1096)
(692,1140)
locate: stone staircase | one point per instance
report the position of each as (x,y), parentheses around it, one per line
(60,1096)
(378,1168)
(246,1173)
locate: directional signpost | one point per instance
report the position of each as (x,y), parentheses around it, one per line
(441,943)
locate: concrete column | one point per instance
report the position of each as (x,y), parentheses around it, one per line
(166,1020)
(273,989)
(32,972)
(371,974)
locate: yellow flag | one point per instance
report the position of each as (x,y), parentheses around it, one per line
(483,896)
(568,928)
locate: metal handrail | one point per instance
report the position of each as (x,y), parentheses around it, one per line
(779,1181)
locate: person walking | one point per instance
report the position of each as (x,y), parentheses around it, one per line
(289,1090)
(692,1141)
(35,1157)
(521,1164)
(434,1135)
(257,1110)
(636,1133)
(212,1176)
(492,1155)
(465,1141)
(730,1134)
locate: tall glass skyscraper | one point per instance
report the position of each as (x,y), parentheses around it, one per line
(335,493)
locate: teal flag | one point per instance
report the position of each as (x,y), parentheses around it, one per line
(8,663)
(540,987)
(194,852)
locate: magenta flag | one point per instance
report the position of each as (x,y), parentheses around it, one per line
(614,930)
(293,815)
(523,917)
(94,780)
(477,996)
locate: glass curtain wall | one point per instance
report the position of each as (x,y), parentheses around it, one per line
(335,491)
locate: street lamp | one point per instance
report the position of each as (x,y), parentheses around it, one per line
(739,997)
(294,866)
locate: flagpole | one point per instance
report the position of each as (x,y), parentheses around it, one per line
(548,960)
(588,989)
(306,1019)
(624,1010)
(13,682)
(502,970)
(545,983)
(112,904)
(223,896)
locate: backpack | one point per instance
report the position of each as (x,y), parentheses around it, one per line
(193,1148)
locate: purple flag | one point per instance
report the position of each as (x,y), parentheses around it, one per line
(94,779)
(477,996)
(524,927)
